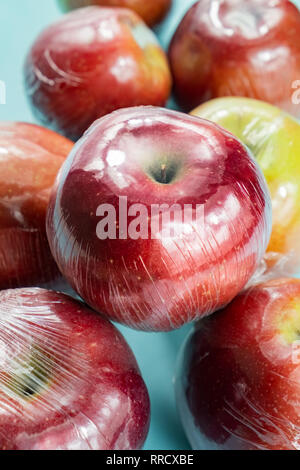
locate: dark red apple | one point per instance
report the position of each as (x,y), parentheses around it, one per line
(91,62)
(30,157)
(238,387)
(68,380)
(152,12)
(158,218)
(237,48)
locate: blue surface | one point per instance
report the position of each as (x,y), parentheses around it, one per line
(21,21)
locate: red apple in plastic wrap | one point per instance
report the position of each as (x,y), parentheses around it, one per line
(237,48)
(152,11)
(30,157)
(91,62)
(158,218)
(68,380)
(238,386)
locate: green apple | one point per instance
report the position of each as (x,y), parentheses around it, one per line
(274,139)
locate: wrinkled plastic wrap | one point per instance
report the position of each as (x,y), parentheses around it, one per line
(91,62)
(30,157)
(237,48)
(238,379)
(274,139)
(151,12)
(161,281)
(68,380)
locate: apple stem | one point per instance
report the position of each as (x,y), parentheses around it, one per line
(163,173)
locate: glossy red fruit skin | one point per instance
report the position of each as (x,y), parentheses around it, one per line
(151,12)
(237,48)
(91,62)
(238,385)
(158,283)
(30,158)
(94,397)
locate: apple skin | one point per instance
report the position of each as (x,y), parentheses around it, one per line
(238,384)
(91,62)
(237,48)
(159,283)
(68,379)
(151,12)
(31,157)
(274,139)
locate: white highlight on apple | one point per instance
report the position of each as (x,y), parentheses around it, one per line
(4,351)
(2,92)
(138,222)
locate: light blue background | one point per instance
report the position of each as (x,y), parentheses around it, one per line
(20,22)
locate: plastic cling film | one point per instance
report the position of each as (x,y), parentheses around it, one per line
(274,139)
(91,62)
(30,157)
(158,218)
(237,48)
(238,378)
(68,380)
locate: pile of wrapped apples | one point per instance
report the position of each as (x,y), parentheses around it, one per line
(155,218)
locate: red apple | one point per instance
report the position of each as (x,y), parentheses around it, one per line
(91,62)
(30,157)
(158,218)
(237,48)
(239,382)
(68,380)
(152,12)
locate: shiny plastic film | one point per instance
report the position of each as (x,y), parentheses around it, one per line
(273,137)
(30,157)
(158,218)
(68,380)
(237,384)
(237,48)
(90,63)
